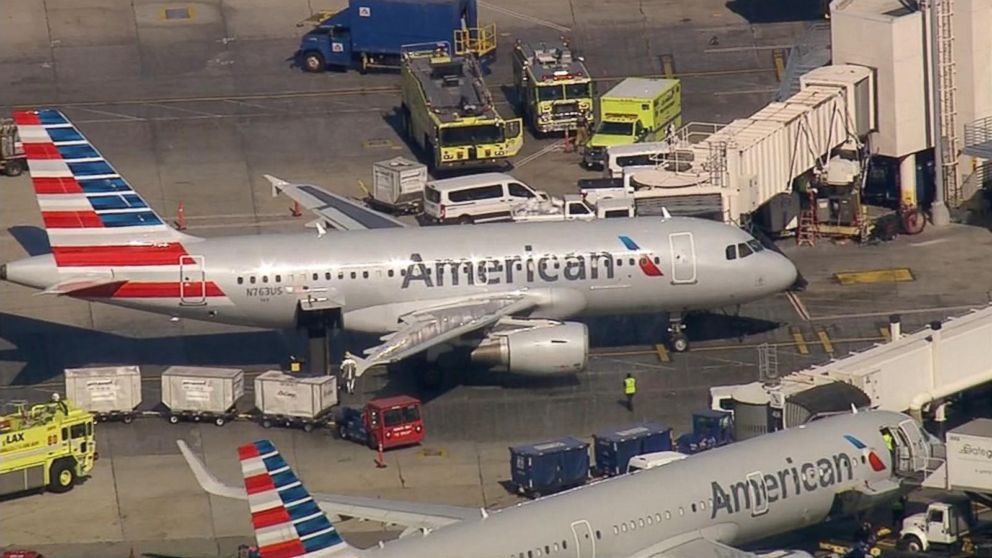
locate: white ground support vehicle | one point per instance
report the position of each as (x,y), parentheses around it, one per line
(476,198)
(943,526)
(652,460)
(572,208)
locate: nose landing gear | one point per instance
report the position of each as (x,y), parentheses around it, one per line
(677,339)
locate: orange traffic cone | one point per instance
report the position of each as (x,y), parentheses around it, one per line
(569,146)
(380,460)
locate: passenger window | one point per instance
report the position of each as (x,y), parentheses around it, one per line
(732,252)
(241,280)
(598,535)
(340,275)
(327,276)
(556,547)
(477,194)
(547,549)
(520,191)
(702,505)
(564,545)
(619,262)
(650,520)
(693,507)
(616,530)
(265,278)
(316,276)
(365,275)
(631,261)
(657,517)
(681,511)
(390,272)
(623,527)
(640,522)
(354,275)
(251,279)
(278,278)
(657,260)
(668,514)
(744,250)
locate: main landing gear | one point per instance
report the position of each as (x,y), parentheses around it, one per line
(677,339)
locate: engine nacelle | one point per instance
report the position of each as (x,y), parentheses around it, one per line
(555,348)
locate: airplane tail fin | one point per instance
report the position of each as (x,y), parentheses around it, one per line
(92,216)
(288,523)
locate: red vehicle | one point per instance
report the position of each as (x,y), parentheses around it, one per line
(393,421)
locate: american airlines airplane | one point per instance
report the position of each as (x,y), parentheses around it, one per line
(693,508)
(500,292)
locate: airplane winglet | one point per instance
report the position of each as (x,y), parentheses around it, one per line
(207,481)
(278,184)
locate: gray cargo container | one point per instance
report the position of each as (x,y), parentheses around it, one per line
(196,393)
(109,392)
(292,401)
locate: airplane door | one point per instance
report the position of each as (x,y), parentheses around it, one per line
(192,281)
(759,494)
(683,258)
(585,544)
(917,451)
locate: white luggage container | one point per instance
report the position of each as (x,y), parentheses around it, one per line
(197,393)
(109,392)
(291,401)
(398,185)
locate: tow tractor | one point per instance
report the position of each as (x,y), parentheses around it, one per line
(390,421)
(50,445)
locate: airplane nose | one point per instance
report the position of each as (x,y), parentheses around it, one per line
(783,275)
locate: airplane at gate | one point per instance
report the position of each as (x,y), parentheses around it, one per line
(501,292)
(694,508)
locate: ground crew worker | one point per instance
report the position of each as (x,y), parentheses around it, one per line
(891,444)
(348,369)
(630,390)
(295,366)
(898,512)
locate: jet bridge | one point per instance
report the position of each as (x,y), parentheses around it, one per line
(911,372)
(752,161)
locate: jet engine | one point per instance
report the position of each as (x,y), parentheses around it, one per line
(543,348)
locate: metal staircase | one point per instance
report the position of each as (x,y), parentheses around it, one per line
(811,51)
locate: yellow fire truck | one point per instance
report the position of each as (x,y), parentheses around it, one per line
(553,87)
(50,445)
(448,112)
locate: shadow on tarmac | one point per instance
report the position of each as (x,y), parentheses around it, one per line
(776,11)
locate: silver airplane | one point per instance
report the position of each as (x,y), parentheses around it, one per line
(693,508)
(501,292)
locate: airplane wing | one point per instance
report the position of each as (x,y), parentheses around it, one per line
(701,547)
(335,210)
(413,515)
(431,326)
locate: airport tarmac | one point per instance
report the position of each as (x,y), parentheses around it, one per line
(195,111)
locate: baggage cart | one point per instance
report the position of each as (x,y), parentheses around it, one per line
(12,159)
(199,393)
(550,466)
(294,402)
(398,186)
(109,392)
(615,448)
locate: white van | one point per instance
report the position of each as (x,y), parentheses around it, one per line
(635,154)
(652,460)
(477,198)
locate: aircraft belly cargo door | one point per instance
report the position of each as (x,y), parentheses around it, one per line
(683,258)
(192,281)
(585,544)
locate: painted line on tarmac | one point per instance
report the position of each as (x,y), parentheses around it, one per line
(746,48)
(797,305)
(828,347)
(525,17)
(900,312)
(737,346)
(762,90)
(800,340)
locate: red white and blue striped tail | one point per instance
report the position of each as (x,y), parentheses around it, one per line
(288,522)
(85,202)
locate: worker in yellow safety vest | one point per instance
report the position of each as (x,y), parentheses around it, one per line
(629,390)
(890,443)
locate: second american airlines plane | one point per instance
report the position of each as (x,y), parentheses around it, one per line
(697,507)
(499,291)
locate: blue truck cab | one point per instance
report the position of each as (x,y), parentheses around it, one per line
(375,33)
(710,429)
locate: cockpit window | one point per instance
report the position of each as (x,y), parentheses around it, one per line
(744,250)
(755,245)
(732,252)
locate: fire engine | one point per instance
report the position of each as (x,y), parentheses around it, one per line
(449,114)
(553,87)
(50,445)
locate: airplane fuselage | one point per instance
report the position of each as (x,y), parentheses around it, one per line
(613,266)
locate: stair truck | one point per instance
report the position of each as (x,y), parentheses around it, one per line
(552,87)
(635,110)
(449,115)
(373,33)
(48,446)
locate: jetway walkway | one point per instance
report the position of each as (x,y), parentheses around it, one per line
(909,373)
(752,160)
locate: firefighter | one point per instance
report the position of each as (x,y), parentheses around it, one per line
(630,390)
(581,132)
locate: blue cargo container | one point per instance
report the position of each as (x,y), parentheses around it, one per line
(710,429)
(614,449)
(549,466)
(374,33)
